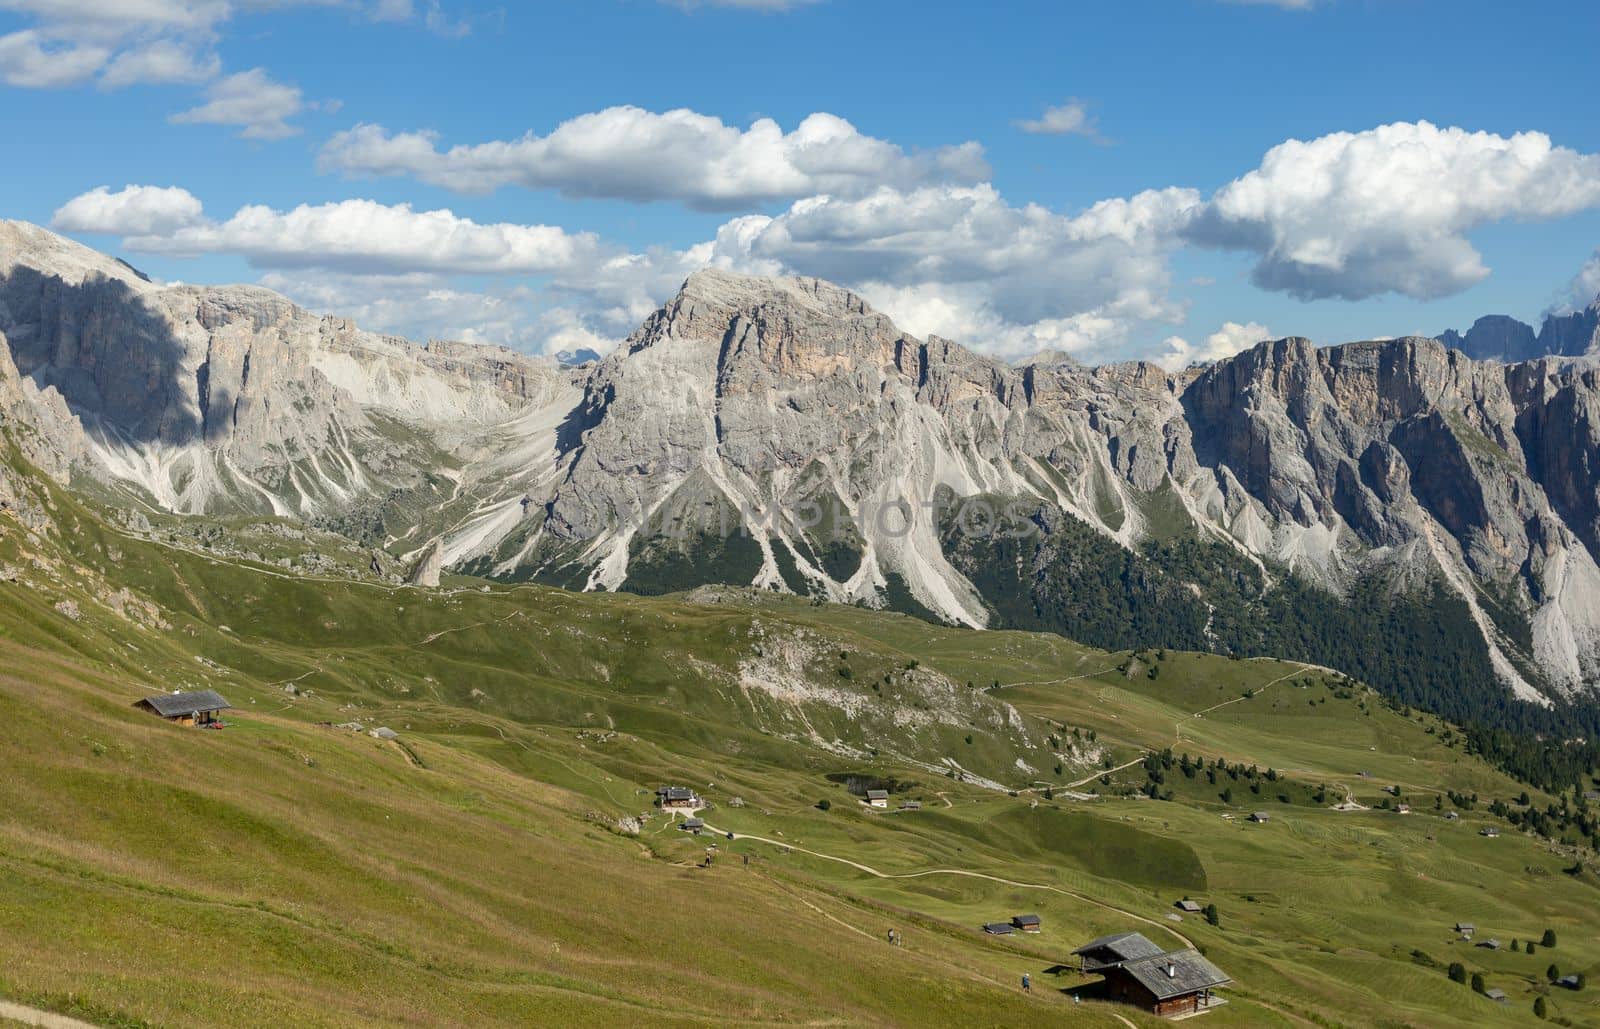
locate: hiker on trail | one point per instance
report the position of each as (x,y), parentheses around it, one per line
(1027,984)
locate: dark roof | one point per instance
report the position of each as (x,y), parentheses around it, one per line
(675,793)
(1465,927)
(1260,816)
(694,823)
(1569,981)
(877,794)
(1125,946)
(1024,919)
(1176,973)
(998,928)
(176,705)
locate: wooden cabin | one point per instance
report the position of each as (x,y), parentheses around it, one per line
(999,928)
(1259,817)
(1188,906)
(1027,923)
(199,708)
(1179,982)
(878,798)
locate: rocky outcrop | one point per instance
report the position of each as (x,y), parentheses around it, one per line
(1576,332)
(429,566)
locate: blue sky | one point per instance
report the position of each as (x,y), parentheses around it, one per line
(946,159)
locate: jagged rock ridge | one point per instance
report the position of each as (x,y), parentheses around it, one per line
(780,433)
(1499,337)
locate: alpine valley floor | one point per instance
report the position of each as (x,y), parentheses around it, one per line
(483,868)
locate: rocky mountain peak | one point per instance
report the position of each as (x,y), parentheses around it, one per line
(24,245)
(747,292)
(1499,337)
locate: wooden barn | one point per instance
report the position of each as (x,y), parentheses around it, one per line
(198,708)
(878,798)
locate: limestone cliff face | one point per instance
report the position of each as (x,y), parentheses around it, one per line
(819,445)
(232,399)
(1407,452)
(759,397)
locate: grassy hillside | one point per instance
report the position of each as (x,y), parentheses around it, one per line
(484,869)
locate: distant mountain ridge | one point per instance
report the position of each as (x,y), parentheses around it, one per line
(1499,337)
(1395,507)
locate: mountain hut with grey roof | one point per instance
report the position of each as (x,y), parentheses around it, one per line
(1165,983)
(199,708)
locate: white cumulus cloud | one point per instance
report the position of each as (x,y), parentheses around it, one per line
(1225,342)
(634,154)
(133,211)
(358,236)
(1347,215)
(1357,214)
(251,100)
(963,263)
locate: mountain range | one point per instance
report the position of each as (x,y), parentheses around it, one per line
(1422,512)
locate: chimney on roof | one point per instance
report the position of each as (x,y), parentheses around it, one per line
(1172,970)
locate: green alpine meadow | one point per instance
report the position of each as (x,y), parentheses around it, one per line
(799,513)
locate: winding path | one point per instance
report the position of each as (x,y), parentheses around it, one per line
(954,871)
